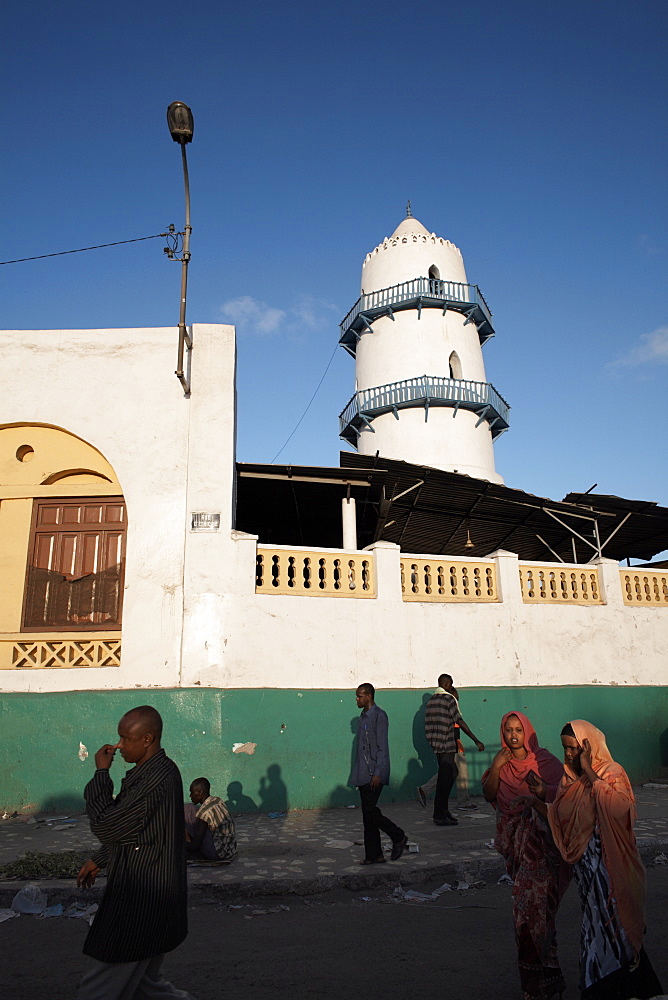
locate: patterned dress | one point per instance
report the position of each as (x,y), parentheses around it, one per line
(540,880)
(607,967)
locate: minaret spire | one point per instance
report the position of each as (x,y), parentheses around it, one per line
(409,213)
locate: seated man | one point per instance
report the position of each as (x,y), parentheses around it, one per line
(210,833)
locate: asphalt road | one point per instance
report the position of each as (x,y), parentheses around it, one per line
(331,946)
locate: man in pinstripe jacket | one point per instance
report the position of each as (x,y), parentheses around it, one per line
(143,911)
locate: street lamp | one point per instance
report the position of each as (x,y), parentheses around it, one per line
(181,127)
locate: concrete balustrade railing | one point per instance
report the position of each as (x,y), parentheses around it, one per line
(499,578)
(448,580)
(559,584)
(648,588)
(314,572)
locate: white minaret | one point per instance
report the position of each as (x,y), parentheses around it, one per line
(416,334)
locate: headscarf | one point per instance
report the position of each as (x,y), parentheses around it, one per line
(513,774)
(609,802)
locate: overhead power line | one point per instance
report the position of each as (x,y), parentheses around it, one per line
(100,246)
(307,408)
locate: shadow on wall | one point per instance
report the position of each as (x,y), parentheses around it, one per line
(236,801)
(663,748)
(273,792)
(347,795)
(426,762)
(64,802)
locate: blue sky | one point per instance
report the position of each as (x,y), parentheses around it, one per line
(530,134)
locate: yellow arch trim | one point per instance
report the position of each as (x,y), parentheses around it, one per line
(33,455)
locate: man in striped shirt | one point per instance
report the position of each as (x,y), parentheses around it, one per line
(143,911)
(210,827)
(441,717)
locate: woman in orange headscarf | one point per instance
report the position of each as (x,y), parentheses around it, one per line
(592,823)
(540,877)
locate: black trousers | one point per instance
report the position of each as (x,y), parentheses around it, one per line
(374,822)
(447,775)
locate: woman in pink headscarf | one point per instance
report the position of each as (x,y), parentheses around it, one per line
(523,837)
(592,823)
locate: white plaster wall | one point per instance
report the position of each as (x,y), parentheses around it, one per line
(409,254)
(445,441)
(316,642)
(116,389)
(408,347)
(191,615)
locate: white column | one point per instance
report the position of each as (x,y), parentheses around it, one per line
(610,580)
(387,566)
(508,576)
(349,519)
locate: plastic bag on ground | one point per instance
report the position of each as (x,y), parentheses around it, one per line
(29,899)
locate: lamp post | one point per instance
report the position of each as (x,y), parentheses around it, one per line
(181,127)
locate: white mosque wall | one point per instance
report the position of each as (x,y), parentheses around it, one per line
(191,616)
(172,456)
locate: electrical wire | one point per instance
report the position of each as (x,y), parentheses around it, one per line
(100,246)
(307,408)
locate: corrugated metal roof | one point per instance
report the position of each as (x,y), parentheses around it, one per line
(426,510)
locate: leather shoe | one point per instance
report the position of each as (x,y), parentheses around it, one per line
(448,821)
(398,849)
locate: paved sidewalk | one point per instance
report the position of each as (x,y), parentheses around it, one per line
(311,851)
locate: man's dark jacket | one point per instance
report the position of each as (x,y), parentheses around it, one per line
(143,910)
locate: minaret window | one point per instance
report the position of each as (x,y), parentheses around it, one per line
(434,278)
(455,365)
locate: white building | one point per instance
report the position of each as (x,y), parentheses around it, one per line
(139,564)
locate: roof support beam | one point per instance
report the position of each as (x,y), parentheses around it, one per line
(596,548)
(549,547)
(612,533)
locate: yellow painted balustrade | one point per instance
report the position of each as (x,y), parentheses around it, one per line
(314,573)
(448,580)
(59,650)
(644,587)
(558,584)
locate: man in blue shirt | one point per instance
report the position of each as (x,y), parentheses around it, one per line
(371,771)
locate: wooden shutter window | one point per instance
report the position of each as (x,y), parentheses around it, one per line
(76,565)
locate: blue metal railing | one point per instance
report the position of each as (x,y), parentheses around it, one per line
(417,293)
(427,390)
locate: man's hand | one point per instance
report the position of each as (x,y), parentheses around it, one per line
(523,800)
(104,757)
(375,781)
(480,746)
(87,874)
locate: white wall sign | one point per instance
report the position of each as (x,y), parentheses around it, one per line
(205,521)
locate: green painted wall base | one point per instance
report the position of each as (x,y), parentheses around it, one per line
(304,739)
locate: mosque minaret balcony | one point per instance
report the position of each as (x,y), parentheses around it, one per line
(426,391)
(418,294)
(418,313)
